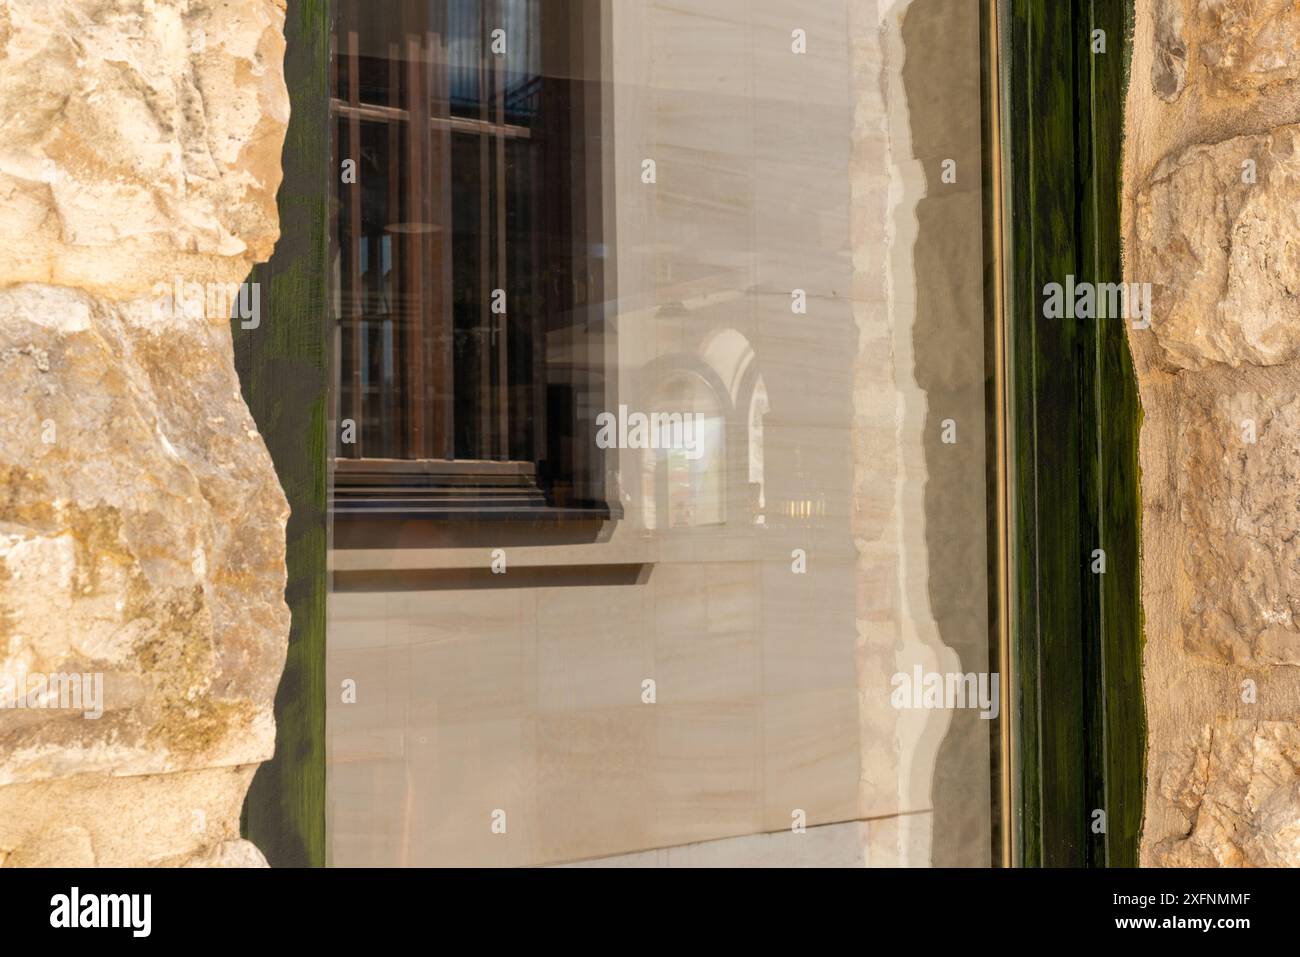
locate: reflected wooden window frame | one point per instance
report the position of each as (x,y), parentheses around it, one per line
(506,434)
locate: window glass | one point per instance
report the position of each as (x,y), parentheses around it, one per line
(661,534)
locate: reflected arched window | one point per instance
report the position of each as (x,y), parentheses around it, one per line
(758,407)
(684,477)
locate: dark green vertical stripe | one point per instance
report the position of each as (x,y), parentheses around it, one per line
(1118,420)
(282,367)
(1074,411)
(1087,268)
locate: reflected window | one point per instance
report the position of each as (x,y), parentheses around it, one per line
(466,259)
(685,477)
(758,407)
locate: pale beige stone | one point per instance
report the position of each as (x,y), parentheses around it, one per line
(139,141)
(1219,379)
(1237,784)
(141,522)
(229,854)
(1249,47)
(1216,236)
(141,538)
(1238,472)
(1228,50)
(1169,67)
(98,820)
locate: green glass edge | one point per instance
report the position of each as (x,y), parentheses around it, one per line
(1075,419)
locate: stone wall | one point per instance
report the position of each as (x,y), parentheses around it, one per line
(141,523)
(1212,220)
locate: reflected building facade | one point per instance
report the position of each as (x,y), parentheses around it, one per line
(675,652)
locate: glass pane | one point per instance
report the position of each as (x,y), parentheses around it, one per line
(745,618)
(439,235)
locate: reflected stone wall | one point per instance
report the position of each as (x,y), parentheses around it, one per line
(941,80)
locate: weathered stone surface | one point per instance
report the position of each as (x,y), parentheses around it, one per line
(139,141)
(1169,66)
(98,820)
(1222,251)
(141,537)
(141,523)
(1237,478)
(1237,783)
(1219,377)
(1228,50)
(1249,47)
(229,854)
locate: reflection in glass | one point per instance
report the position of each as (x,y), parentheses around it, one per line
(669,652)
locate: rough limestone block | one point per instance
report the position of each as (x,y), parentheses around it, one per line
(1169,65)
(139,141)
(1249,48)
(1238,470)
(1237,783)
(1223,251)
(1227,50)
(141,537)
(141,522)
(190,818)
(1211,217)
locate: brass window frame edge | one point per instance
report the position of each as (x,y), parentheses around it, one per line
(1008,766)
